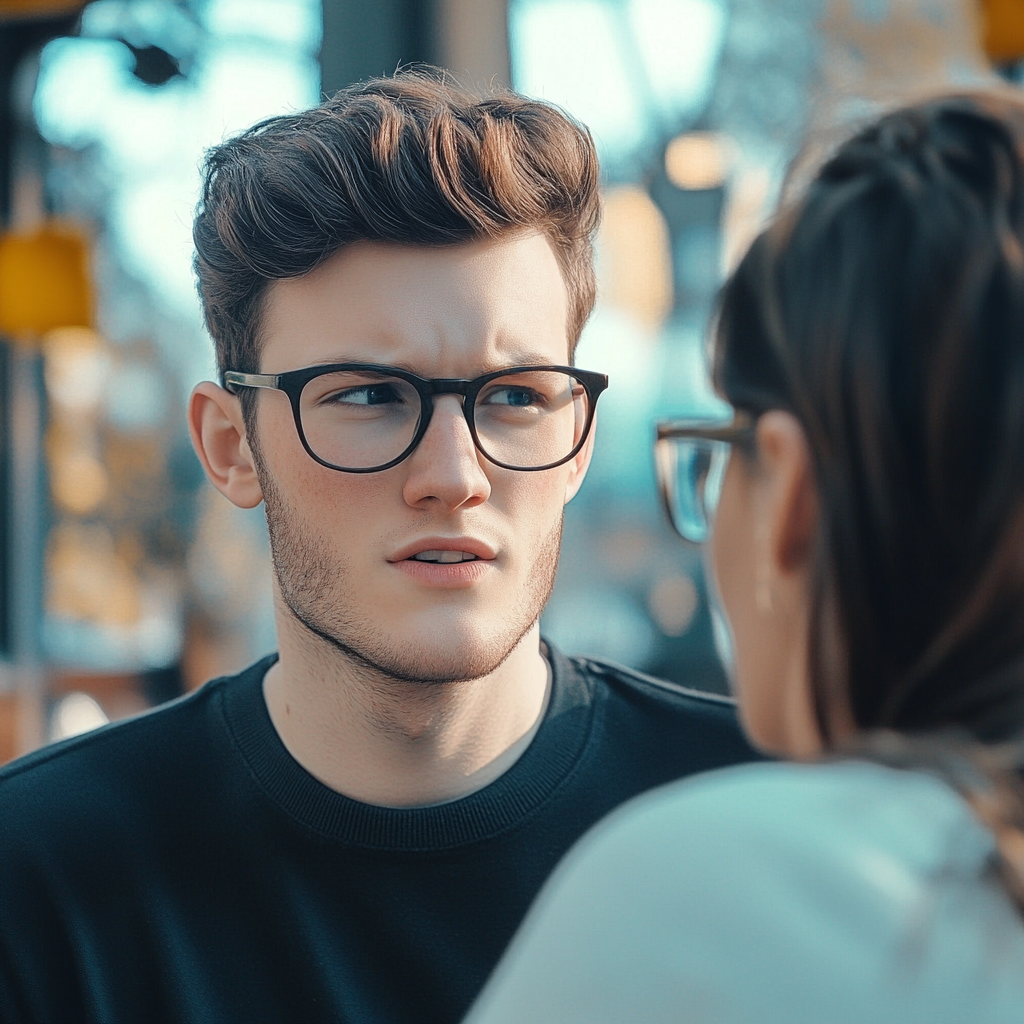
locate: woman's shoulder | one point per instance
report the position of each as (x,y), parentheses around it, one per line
(781,892)
(865,840)
(814,785)
(860,848)
(839,806)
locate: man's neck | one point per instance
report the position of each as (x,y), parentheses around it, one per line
(403,744)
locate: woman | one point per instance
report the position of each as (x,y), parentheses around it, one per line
(868,551)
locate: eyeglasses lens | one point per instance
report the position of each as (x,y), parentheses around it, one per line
(361,420)
(692,470)
(530,419)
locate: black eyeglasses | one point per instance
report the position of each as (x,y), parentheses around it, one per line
(364,418)
(691,457)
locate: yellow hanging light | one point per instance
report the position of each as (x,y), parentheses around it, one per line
(44,282)
(28,9)
(1002,30)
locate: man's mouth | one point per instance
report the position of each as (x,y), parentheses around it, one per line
(444,557)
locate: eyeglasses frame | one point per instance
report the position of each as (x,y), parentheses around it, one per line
(293,381)
(738,430)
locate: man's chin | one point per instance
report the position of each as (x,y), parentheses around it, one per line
(445,651)
(443,655)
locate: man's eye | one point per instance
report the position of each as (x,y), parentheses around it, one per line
(519,397)
(369,394)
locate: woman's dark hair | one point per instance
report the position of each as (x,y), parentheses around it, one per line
(885,310)
(410,159)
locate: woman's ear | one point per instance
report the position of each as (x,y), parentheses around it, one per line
(580,464)
(217,429)
(790,512)
(787,522)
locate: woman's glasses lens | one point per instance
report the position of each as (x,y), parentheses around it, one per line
(361,420)
(691,472)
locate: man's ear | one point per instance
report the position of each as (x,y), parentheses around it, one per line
(580,464)
(791,514)
(217,429)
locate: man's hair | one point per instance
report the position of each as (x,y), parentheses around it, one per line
(411,159)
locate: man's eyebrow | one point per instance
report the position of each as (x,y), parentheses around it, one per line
(518,358)
(398,364)
(521,358)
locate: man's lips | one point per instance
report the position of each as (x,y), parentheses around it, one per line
(444,551)
(445,562)
(444,557)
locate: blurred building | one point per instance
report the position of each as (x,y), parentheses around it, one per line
(110,107)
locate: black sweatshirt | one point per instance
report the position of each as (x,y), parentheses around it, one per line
(182,866)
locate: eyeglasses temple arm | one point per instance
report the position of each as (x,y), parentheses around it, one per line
(233,379)
(742,423)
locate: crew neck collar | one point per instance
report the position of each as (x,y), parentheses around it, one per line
(555,749)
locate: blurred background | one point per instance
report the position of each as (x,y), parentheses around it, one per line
(125,580)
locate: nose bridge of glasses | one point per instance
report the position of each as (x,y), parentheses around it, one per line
(440,387)
(458,422)
(448,386)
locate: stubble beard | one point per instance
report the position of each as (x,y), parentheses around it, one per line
(320,593)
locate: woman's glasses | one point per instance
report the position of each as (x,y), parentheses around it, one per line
(691,457)
(364,418)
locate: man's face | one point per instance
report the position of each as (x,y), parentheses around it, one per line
(343,543)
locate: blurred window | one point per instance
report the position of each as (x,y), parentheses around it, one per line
(640,74)
(128,108)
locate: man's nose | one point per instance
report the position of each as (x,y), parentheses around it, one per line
(446,468)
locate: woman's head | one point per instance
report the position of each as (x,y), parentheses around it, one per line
(876,330)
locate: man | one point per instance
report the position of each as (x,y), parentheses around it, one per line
(353,829)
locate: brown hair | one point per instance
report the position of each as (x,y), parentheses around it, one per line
(410,159)
(886,311)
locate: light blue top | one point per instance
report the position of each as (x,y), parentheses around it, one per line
(843,893)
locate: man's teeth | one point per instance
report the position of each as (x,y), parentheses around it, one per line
(443,556)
